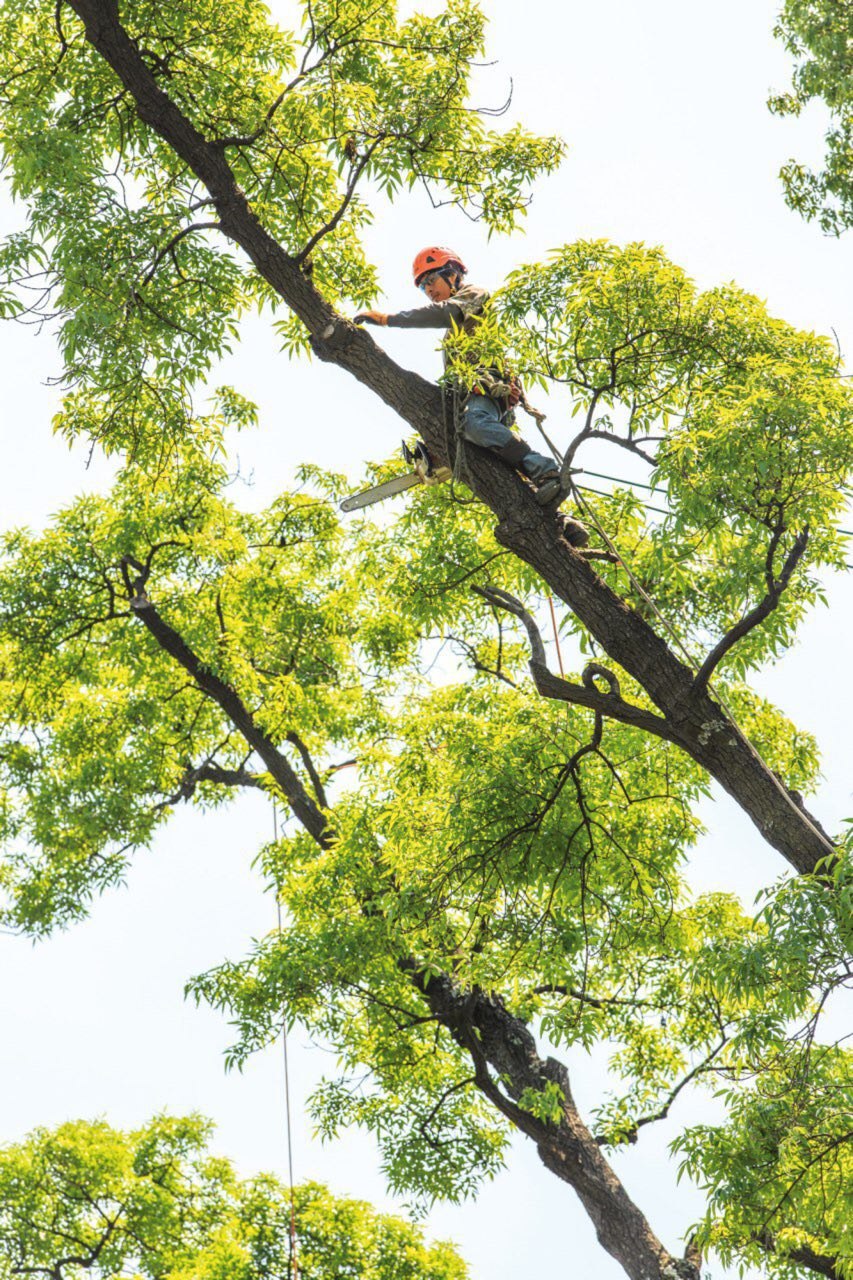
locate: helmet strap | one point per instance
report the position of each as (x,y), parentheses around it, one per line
(452,276)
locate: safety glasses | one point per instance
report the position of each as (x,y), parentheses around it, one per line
(428,279)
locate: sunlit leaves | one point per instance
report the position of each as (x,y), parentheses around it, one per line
(94,704)
(746,422)
(779,1174)
(121,246)
(154,1202)
(819,35)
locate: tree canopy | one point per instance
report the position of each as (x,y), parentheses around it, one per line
(483,868)
(819,35)
(89,1200)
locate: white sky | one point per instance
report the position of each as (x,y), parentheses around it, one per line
(663,107)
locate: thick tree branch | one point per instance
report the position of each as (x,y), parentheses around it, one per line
(591,433)
(502,1049)
(211,772)
(775,587)
(228,700)
(531,533)
(802,1256)
(581,695)
(310,769)
(500,1045)
(503,600)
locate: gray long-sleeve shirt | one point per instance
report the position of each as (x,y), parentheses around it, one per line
(460,310)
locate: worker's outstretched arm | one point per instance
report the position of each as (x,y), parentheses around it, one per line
(439,316)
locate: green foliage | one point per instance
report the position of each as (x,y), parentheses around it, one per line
(781,1171)
(153,1202)
(513,845)
(819,35)
(746,420)
(121,248)
(98,710)
(482,832)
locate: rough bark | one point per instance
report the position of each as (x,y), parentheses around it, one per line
(503,1049)
(501,1046)
(701,725)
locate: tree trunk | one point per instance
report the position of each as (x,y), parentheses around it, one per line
(704,729)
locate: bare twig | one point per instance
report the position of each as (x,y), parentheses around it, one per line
(175,240)
(663,1112)
(356,173)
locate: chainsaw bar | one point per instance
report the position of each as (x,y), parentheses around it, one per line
(425,472)
(367,497)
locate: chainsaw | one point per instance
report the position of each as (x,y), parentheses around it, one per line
(424,471)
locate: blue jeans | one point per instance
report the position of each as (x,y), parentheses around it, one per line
(482,424)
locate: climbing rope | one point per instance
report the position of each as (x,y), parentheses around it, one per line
(293,1264)
(556,637)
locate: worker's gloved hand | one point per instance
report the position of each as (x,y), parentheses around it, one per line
(497,390)
(370,317)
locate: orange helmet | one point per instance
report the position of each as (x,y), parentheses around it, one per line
(433,259)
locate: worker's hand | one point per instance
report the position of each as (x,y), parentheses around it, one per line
(497,389)
(370,317)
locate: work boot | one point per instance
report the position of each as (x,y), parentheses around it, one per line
(515,452)
(548,488)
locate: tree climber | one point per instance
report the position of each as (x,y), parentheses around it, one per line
(488,408)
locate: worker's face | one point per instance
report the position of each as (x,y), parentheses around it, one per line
(437,288)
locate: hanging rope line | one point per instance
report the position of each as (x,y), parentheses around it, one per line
(604,493)
(293,1264)
(556,636)
(650,488)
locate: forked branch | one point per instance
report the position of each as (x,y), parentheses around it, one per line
(753,619)
(304,807)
